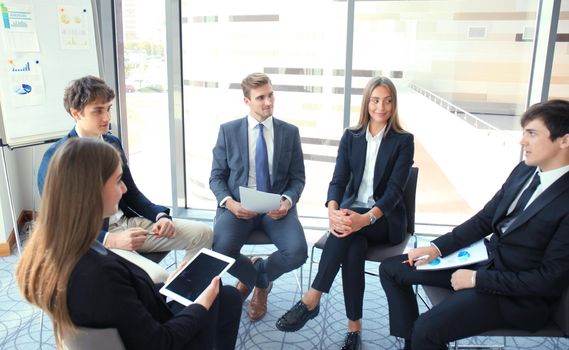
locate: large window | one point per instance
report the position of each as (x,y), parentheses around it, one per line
(462,69)
(300,45)
(146,84)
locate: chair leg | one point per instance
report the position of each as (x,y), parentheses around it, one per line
(312,262)
(41,329)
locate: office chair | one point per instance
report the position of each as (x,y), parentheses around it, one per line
(557,327)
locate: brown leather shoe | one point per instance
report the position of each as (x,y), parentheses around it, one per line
(244,290)
(258,303)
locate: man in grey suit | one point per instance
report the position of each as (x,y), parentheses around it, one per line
(263,153)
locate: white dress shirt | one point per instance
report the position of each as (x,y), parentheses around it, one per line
(365,192)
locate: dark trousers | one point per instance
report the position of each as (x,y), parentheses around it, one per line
(465,313)
(223,321)
(349,253)
(287,234)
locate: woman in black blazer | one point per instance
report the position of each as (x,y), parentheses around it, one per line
(66,272)
(364,205)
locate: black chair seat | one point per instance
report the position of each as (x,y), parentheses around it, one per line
(437,294)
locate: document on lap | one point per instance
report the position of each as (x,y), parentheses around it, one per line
(258,201)
(474,253)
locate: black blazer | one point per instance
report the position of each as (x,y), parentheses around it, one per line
(528,266)
(107,291)
(392,168)
(133,203)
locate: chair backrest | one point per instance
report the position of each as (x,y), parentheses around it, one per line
(94,339)
(409,195)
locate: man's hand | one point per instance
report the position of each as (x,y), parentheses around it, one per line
(165,228)
(237,210)
(463,279)
(422,255)
(209,294)
(281,212)
(130,239)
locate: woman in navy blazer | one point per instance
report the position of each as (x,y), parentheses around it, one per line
(364,205)
(66,272)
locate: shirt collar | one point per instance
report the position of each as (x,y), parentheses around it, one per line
(548,177)
(377,137)
(267,123)
(79,134)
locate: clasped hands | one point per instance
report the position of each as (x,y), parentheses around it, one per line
(460,279)
(344,222)
(244,214)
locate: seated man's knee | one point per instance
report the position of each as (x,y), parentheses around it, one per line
(296,258)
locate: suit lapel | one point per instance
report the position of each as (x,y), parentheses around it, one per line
(510,194)
(557,188)
(277,146)
(243,139)
(359,147)
(383,154)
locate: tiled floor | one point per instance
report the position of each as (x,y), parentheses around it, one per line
(20,323)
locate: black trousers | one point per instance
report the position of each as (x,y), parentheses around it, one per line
(465,313)
(223,322)
(349,253)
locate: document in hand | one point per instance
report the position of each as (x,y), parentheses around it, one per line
(472,254)
(257,201)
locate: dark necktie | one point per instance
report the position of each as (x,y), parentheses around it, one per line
(262,163)
(526,195)
(521,204)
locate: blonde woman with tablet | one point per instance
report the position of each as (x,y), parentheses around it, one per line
(67,273)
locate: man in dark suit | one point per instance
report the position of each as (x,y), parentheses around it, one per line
(263,153)
(89,100)
(528,253)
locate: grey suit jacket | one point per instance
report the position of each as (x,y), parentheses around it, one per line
(230,167)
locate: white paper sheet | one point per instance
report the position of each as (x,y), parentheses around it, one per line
(257,201)
(472,254)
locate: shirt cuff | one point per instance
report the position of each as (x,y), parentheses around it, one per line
(161,215)
(438,250)
(289,199)
(105,238)
(222,203)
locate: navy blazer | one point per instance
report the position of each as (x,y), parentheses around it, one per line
(230,167)
(133,203)
(528,266)
(392,168)
(107,291)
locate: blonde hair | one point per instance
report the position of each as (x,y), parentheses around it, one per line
(69,220)
(393,123)
(253,81)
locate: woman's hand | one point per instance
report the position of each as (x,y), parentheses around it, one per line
(208,296)
(344,222)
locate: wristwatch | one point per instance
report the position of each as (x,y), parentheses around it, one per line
(372,218)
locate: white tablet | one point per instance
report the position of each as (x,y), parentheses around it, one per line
(189,282)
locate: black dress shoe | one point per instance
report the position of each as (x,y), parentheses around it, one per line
(353,341)
(295,318)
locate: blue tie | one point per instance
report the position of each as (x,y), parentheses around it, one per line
(262,163)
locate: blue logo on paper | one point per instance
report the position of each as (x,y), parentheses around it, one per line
(435,262)
(24,89)
(463,255)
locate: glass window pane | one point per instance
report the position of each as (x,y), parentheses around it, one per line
(461,68)
(559,86)
(303,53)
(146,83)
